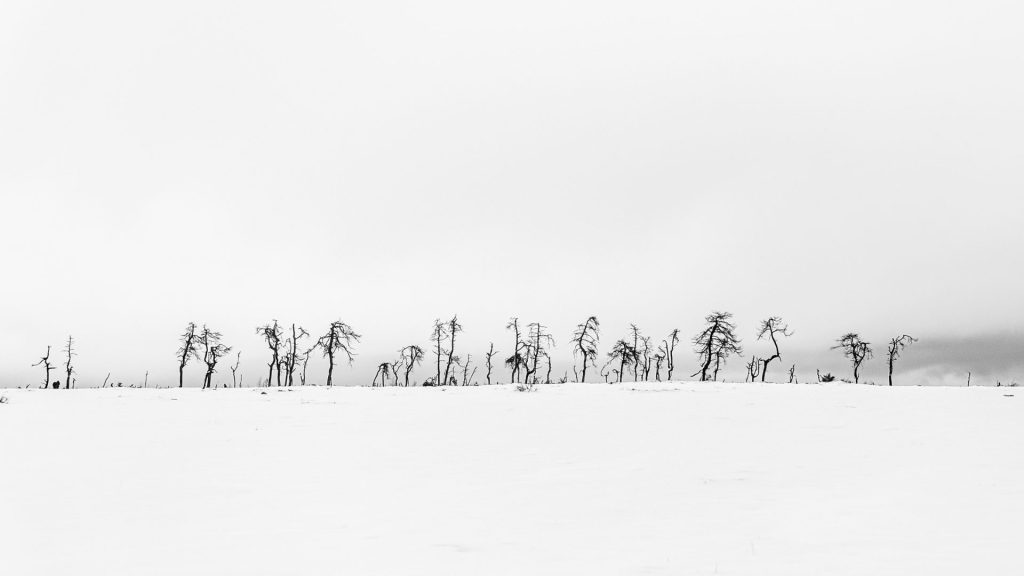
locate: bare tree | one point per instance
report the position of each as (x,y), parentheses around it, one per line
(234,369)
(772,327)
(490,362)
(753,368)
(670,351)
(856,350)
(584,344)
(383,369)
(305,364)
(517,361)
(69,350)
(438,336)
(896,347)
(45,363)
(395,365)
(411,356)
(659,359)
(340,337)
(453,328)
(716,343)
(625,354)
(213,350)
(292,354)
(636,348)
(187,351)
(645,357)
(539,341)
(272,333)
(467,376)
(792,374)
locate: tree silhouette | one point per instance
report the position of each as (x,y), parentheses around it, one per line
(272,333)
(383,369)
(45,363)
(234,369)
(69,350)
(490,362)
(772,327)
(292,354)
(584,344)
(411,356)
(517,361)
(539,341)
(659,359)
(213,351)
(716,343)
(187,351)
(438,336)
(670,351)
(625,354)
(896,347)
(340,337)
(453,328)
(856,350)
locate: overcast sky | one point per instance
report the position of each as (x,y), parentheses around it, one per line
(850,166)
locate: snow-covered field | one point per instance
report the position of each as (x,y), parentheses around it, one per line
(570,479)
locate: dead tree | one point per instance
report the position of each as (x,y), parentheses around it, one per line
(539,342)
(187,351)
(645,357)
(517,361)
(792,374)
(753,367)
(234,369)
(395,365)
(383,369)
(856,350)
(716,343)
(438,337)
(659,359)
(584,341)
(547,375)
(490,362)
(340,337)
(69,350)
(625,354)
(467,377)
(670,351)
(453,328)
(636,348)
(45,363)
(772,327)
(292,354)
(213,350)
(896,347)
(412,356)
(305,364)
(272,333)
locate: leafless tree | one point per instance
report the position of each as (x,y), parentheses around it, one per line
(792,374)
(412,356)
(438,337)
(69,350)
(340,337)
(517,361)
(645,357)
(383,369)
(753,368)
(292,353)
(187,351)
(716,343)
(896,347)
(490,362)
(234,369)
(395,365)
(670,351)
(453,328)
(547,375)
(856,350)
(584,341)
(272,333)
(213,351)
(625,354)
(636,348)
(772,327)
(467,376)
(659,359)
(45,363)
(539,342)
(305,364)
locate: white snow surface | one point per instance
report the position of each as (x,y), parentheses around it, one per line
(681,478)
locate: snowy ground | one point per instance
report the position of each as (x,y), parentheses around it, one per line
(570,479)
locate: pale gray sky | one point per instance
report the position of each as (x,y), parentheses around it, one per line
(851,166)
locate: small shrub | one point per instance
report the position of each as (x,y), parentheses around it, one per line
(828,377)
(524,387)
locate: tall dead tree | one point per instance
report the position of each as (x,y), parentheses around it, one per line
(340,338)
(212,351)
(438,337)
(272,334)
(305,364)
(186,351)
(670,351)
(292,353)
(645,357)
(453,328)
(383,369)
(896,347)
(517,361)
(636,348)
(490,362)
(772,327)
(69,351)
(412,356)
(856,350)
(539,342)
(625,354)
(584,345)
(715,343)
(45,363)
(753,367)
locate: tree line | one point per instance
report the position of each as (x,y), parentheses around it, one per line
(289,349)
